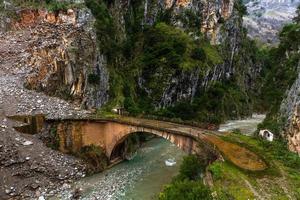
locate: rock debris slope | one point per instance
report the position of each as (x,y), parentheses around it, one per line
(29,169)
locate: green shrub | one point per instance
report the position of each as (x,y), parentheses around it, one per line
(191,168)
(216,170)
(55,6)
(198,54)
(241,8)
(186,190)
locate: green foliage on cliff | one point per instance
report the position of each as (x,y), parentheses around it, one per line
(279,74)
(50,5)
(297,18)
(167,51)
(220,102)
(240,7)
(104,26)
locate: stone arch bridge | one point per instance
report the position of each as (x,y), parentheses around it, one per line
(109,133)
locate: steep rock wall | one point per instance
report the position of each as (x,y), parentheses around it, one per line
(219,20)
(289,111)
(64,55)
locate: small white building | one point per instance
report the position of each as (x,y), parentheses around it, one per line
(267,135)
(118,110)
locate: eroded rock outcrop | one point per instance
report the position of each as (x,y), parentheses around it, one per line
(64,56)
(290,112)
(293,132)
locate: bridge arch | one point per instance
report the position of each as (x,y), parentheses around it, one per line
(187,144)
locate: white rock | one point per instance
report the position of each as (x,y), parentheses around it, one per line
(41,198)
(27,143)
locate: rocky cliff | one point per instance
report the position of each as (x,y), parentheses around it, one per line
(213,27)
(106,54)
(64,57)
(289,111)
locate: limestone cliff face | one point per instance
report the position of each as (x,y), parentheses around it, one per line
(289,111)
(293,132)
(218,20)
(63,55)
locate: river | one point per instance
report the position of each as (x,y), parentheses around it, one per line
(246,126)
(140,178)
(145,175)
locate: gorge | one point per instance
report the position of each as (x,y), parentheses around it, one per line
(188,64)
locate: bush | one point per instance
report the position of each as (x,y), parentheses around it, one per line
(191,168)
(216,170)
(242,9)
(198,54)
(56,6)
(186,190)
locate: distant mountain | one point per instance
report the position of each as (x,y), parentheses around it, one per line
(266,18)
